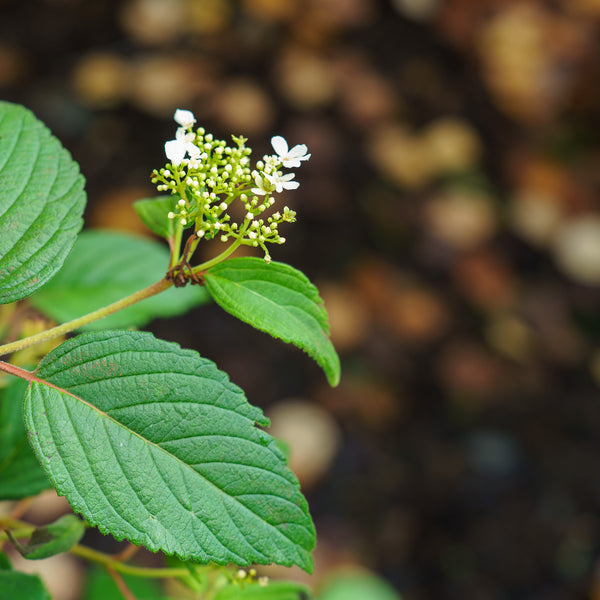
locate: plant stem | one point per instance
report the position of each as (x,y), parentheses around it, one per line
(21,507)
(126,554)
(17,533)
(21,529)
(109,561)
(220,257)
(120,583)
(49,334)
(190,246)
(176,247)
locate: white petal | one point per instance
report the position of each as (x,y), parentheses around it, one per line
(193,151)
(175,151)
(290,185)
(298,151)
(287,177)
(260,188)
(290,163)
(279,145)
(185,118)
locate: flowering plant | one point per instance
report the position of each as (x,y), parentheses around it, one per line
(207,177)
(148,441)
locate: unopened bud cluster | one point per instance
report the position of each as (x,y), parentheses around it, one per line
(207,176)
(250,577)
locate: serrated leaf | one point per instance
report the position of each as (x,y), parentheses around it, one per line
(20,586)
(153,443)
(56,538)
(274,590)
(106,266)
(153,212)
(20,472)
(279,300)
(41,203)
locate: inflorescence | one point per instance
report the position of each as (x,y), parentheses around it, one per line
(207,176)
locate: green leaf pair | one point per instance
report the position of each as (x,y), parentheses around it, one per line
(274,298)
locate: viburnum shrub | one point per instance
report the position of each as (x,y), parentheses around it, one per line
(148,441)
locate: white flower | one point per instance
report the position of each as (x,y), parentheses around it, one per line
(264,185)
(176,149)
(185,118)
(289,158)
(283,182)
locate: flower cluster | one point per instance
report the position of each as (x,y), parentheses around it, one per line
(250,576)
(207,176)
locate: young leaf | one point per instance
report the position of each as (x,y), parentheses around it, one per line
(279,300)
(106,266)
(153,212)
(56,538)
(20,472)
(41,203)
(152,443)
(274,590)
(20,586)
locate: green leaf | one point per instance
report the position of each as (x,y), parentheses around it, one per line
(153,443)
(274,590)
(153,212)
(355,585)
(279,300)
(19,586)
(20,472)
(106,266)
(5,562)
(99,585)
(56,538)
(41,203)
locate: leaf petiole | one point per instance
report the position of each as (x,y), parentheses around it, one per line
(48,334)
(109,561)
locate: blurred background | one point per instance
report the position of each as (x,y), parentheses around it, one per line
(450,218)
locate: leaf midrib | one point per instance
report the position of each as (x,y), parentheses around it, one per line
(278,305)
(179,461)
